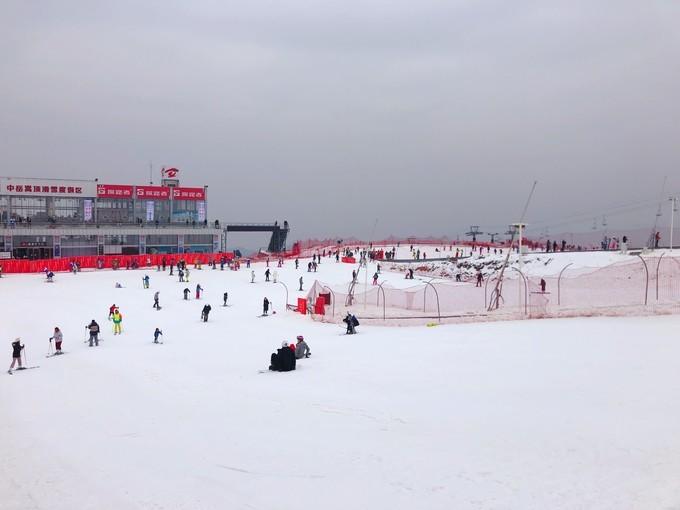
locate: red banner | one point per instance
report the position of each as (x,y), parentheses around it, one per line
(109,262)
(114,191)
(153,192)
(188,194)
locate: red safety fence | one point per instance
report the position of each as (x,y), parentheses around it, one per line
(109,262)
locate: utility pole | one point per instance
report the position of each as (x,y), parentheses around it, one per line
(474,232)
(673,209)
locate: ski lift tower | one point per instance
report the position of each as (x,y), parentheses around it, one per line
(493,236)
(474,232)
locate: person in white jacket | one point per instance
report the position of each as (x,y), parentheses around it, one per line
(58,337)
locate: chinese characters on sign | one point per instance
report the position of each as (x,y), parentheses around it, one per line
(114,191)
(153,192)
(46,187)
(188,194)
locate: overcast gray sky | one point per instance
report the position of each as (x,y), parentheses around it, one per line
(427,115)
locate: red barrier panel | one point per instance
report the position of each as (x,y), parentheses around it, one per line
(319,306)
(109,262)
(302,306)
(349,260)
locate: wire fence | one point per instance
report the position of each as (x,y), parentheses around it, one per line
(640,286)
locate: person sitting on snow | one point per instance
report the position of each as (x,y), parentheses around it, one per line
(283,360)
(301,348)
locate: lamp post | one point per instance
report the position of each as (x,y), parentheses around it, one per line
(672,201)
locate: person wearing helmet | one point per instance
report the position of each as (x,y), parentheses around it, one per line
(301,348)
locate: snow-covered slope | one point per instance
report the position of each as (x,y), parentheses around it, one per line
(558,414)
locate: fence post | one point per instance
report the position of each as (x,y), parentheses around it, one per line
(383,294)
(332,294)
(439,314)
(285,287)
(559,280)
(646,277)
(657,275)
(526,291)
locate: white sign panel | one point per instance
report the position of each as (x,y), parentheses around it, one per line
(88,207)
(201,212)
(24,186)
(149,210)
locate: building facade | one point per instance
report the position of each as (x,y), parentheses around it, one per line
(52,218)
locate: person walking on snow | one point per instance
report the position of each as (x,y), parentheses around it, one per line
(156,334)
(375,278)
(300,283)
(58,337)
(226,296)
(93,328)
(265,306)
(252,276)
(186,294)
(297,263)
(198,290)
(266,275)
(480,278)
(205,312)
(145,281)
(16,354)
(543,284)
(180,273)
(156,305)
(117,319)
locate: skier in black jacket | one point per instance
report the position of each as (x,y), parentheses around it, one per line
(205,312)
(283,360)
(265,306)
(16,354)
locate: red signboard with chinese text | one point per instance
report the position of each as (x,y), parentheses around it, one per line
(152,192)
(114,191)
(188,194)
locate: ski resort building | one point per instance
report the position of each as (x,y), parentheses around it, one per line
(55,218)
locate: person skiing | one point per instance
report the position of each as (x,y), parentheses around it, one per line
(117,319)
(180,273)
(283,360)
(186,292)
(205,312)
(375,278)
(252,276)
(226,296)
(301,348)
(16,354)
(351,322)
(543,284)
(58,337)
(480,278)
(265,306)
(198,290)
(112,309)
(145,281)
(93,327)
(156,305)
(300,283)
(156,334)
(297,263)
(266,275)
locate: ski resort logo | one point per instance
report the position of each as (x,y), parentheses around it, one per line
(169,173)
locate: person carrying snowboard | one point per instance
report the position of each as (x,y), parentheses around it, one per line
(16,354)
(58,337)
(198,290)
(205,312)
(265,306)
(93,327)
(156,305)
(156,334)
(117,319)
(226,296)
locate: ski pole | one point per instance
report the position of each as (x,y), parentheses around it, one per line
(25,357)
(50,349)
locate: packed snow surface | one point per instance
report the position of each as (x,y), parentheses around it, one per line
(552,414)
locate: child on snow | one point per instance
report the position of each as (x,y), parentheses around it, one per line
(58,337)
(156,334)
(16,354)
